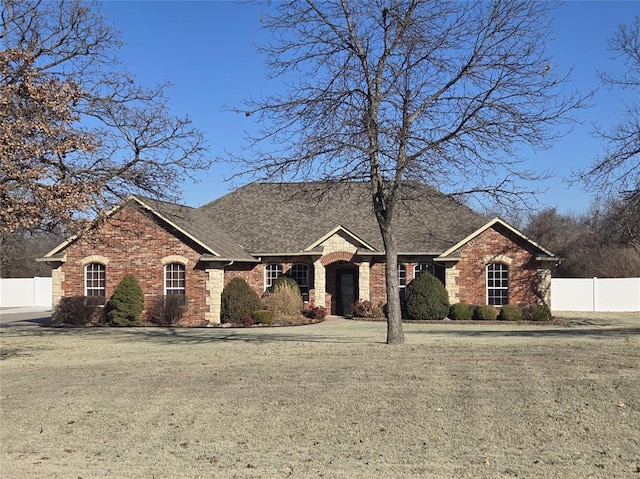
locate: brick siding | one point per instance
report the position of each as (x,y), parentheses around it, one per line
(135,242)
(497,245)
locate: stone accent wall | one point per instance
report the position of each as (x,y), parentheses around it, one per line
(319,284)
(57,280)
(451,278)
(337,242)
(134,241)
(363,281)
(497,245)
(544,286)
(214,286)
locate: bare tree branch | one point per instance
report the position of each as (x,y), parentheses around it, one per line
(384,91)
(77,133)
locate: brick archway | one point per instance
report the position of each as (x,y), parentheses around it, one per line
(338,256)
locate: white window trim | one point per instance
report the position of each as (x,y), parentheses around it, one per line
(266,283)
(404,267)
(182,288)
(495,288)
(88,288)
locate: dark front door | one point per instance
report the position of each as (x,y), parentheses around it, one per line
(346,290)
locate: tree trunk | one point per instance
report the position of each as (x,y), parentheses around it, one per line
(395,334)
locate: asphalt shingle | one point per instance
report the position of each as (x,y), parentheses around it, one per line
(272,218)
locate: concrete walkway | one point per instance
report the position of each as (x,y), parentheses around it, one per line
(20,317)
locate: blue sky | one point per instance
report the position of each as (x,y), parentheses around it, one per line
(206,49)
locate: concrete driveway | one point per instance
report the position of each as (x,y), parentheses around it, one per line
(21,317)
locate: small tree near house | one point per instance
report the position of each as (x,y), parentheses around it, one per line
(238,301)
(427,298)
(127,303)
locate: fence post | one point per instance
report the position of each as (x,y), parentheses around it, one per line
(595,293)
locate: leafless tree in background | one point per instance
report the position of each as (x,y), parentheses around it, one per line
(446,93)
(616,173)
(76,131)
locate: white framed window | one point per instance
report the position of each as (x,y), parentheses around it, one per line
(420,268)
(175,276)
(402,276)
(95,276)
(271,272)
(300,273)
(497,284)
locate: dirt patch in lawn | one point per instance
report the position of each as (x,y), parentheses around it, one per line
(326,400)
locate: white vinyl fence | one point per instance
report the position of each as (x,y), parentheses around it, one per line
(595,294)
(567,294)
(25,292)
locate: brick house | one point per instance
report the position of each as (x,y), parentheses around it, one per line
(326,238)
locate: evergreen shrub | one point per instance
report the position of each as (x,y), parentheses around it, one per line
(127,303)
(462,311)
(262,316)
(238,301)
(485,311)
(538,312)
(426,298)
(510,312)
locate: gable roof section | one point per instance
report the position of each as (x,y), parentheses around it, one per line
(186,220)
(346,232)
(286,218)
(545,253)
(199,228)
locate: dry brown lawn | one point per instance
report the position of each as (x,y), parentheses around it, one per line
(327,400)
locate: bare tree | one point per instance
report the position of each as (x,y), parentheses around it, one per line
(616,172)
(76,131)
(19,250)
(384,91)
(596,243)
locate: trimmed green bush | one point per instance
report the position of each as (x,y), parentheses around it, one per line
(485,312)
(127,303)
(262,316)
(366,309)
(538,312)
(510,312)
(426,298)
(238,301)
(463,311)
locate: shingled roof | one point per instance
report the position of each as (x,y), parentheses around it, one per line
(199,227)
(286,218)
(216,244)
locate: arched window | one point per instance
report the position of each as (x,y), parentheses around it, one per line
(95,280)
(271,273)
(420,268)
(174,279)
(497,284)
(300,272)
